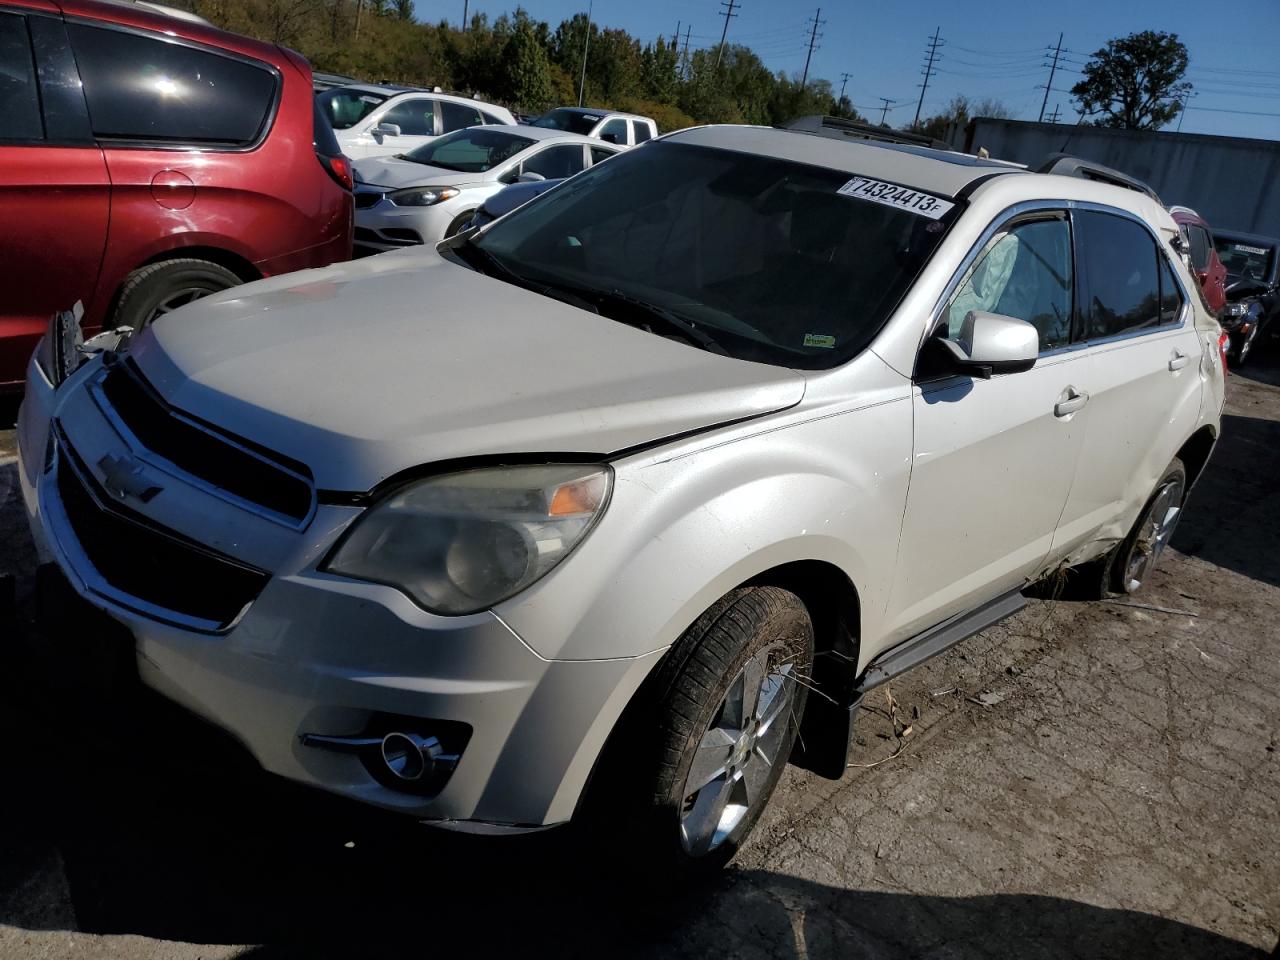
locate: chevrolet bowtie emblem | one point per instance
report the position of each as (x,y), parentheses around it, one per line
(124,477)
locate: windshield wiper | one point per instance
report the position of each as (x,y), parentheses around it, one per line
(562,294)
(673,321)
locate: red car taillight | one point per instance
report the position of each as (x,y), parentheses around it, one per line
(1224,344)
(339,168)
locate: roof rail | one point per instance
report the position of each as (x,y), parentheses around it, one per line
(1065,165)
(840,128)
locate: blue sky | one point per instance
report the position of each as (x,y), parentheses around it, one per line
(994,48)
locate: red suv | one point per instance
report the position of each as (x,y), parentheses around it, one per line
(1204,258)
(147,159)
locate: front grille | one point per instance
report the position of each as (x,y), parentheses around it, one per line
(150,563)
(230,465)
(366,200)
(402,235)
(367,235)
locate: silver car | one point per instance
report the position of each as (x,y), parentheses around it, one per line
(587,514)
(430,193)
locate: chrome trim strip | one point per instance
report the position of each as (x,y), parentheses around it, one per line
(146,455)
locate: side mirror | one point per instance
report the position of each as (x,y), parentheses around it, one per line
(990,343)
(529,177)
(385,130)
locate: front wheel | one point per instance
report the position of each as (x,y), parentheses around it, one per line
(701,761)
(159,288)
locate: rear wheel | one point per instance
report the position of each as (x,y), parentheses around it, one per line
(684,785)
(1132,563)
(160,288)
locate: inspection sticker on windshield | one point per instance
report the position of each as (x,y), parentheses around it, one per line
(892,195)
(819,340)
(1261,251)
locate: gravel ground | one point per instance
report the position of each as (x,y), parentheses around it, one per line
(1086,780)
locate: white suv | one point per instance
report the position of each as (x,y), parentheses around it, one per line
(621,491)
(378,121)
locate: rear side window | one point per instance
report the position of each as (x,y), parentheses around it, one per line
(600,154)
(1121,263)
(415,118)
(322,136)
(641,130)
(19,103)
(458,116)
(143,88)
(492,118)
(1170,293)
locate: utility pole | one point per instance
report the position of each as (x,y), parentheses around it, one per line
(684,57)
(586,46)
(1181,113)
(844,78)
(725,32)
(675,41)
(1049,86)
(1053,117)
(934,44)
(466,5)
(813,41)
(884,111)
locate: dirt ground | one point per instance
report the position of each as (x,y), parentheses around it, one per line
(1086,780)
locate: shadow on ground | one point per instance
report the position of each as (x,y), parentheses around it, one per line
(1235,508)
(133,817)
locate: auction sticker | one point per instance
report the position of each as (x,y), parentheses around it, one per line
(1261,251)
(892,195)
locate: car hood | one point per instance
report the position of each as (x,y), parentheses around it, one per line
(394,173)
(365,369)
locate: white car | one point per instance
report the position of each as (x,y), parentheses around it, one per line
(432,192)
(587,513)
(377,121)
(623,129)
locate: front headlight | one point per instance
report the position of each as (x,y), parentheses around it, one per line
(422,196)
(463,542)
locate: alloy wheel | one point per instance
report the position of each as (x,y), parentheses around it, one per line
(1157,531)
(179,298)
(738,752)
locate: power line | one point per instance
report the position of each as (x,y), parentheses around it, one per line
(934,44)
(813,42)
(725,32)
(1052,70)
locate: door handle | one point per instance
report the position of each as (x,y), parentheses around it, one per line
(1069,402)
(1179,360)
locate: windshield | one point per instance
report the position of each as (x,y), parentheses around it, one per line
(764,256)
(473,150)
(1246,261)
(570,120)
(346,107)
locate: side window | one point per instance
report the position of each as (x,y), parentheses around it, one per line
(641,131)
(1025,272)
(415,118)
(1120,260)
(556,163)
(140,88)
(489,118)
(615,131)
(1170,293)
(458,116)
(19,103)
(601,154)
(1199,247)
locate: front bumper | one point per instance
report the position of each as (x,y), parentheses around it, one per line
(317,654)
(384,226)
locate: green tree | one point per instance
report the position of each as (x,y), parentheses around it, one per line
(1135,82)
(528,70)
(956,115)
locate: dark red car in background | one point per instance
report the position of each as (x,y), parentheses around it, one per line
(1204,258)
(147,159)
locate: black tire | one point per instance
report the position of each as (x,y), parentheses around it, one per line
(460,221)
(1117,582)
(638,792)
(160,287)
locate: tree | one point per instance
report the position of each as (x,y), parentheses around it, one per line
(528,79)
(957,114)
(1135,82)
